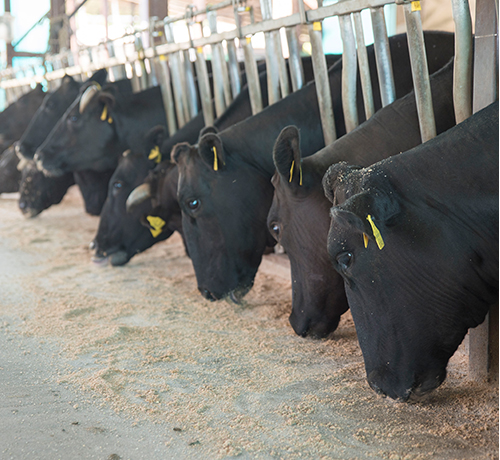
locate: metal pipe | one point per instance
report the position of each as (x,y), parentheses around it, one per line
(253,81)
(164,81)
(175,73)
(204,87)
(322,83)
(294,61)
(420,72)
(234,68)
(383,57)
(283,72)
(462,70)
(272,66)
(192,94)
(349,73)
(217,77)
(364,68)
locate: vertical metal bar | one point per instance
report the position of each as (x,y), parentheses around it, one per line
(420,71)
(322,83)
(163,74)
(118,71)
(175,73)
(294,61)
(364,68)
(349,73)
(192,94)
(273,78)
(185,98)
(462,67)
(204,87)
(253,81)
(383,57)
(283,73)
(217,75)
(143,77)
(234,68)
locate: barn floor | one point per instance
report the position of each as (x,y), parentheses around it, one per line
(132,363)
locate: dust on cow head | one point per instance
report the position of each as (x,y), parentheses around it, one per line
(299,221)
(85,137)
(407,277)
(224,205)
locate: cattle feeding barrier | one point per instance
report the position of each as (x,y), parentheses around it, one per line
(203,72)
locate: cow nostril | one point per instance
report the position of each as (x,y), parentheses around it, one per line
(22,204)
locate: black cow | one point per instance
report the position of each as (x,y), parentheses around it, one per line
(16,117)
(121,235)
(415,238)
(92,185)
(98,128)
(224,183)
(299,217)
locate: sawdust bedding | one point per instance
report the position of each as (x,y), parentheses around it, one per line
(230,380)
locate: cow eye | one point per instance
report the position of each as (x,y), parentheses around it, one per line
(344,260)
(275,230)
(73,119)
(194,204)
(117,185)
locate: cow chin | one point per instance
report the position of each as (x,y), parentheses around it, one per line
(385,383)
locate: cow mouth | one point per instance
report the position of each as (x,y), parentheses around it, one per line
(115,258)
(235,296)
(27,210)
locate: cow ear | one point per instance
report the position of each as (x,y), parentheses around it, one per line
(334,178)
(369,212)
(179,152)
(211,151)
(156,135)
(99,76)
(287,156)
(206,130)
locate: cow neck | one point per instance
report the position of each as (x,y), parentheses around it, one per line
(395,129)
(252,140)
(457,158)
(136,114)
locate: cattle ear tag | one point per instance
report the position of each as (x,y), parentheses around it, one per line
(365,239)
(376,233)
(216,166)
(104,115)
(291,173)
(157,224)
(155,154)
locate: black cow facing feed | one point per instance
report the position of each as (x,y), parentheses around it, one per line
(415,238)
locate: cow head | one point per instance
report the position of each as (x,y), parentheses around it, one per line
(224,205)
(16,117)
(120,234)
(52,109)
(38,192)
(85,137)
(299,221)
(412,279)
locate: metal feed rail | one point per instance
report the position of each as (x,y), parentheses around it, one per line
(171,68)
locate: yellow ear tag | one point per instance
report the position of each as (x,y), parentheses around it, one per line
(365,239)
(376,233)
(155,154)
(104,113)
(291,173)
(110,120)
(216,166)
(157,224)
(415,6)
